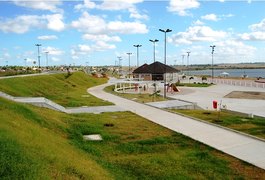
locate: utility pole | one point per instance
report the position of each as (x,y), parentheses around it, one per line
(188,58)
(120,59)
(165,60)
(154,42)
(129,54)
(137,47)
(47,58)
(213,46)
(38,45)
(25,62)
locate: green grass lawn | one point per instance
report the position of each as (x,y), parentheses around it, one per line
(194,84)
(253,126)
(141,98)
(65,90)
(41,143)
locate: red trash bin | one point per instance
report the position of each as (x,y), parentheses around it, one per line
(215,104)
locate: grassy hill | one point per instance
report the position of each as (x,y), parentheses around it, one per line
(41,143)
(65,90)
(34,144)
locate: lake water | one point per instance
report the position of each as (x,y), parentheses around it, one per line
(254,73)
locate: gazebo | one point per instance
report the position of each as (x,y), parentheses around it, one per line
(155,71)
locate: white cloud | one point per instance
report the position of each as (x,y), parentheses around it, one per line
(55,22)
(227,15)
(198,22)
(135,14)
(53,51)
(84,49)
(230,51)
(6,55)
(55,59)
(127,27)
(20,24)
(232,48)
(101,46)
(197,34)
(258,27)
(118,4)
(101,37)
(91,24)
(81,49)
(181,6)
(40,4)
(257,34)
(47,37)
(210,17)
(24,23)
(87,5)
(253,36)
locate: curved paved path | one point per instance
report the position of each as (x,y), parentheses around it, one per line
(240,146)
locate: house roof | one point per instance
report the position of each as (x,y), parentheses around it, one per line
(155,68)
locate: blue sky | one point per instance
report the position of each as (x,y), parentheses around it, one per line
(97,32)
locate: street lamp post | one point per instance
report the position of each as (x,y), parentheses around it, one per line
(25,62)
(188,58)
(154,42)
(183,56)
(38,45)
(87,63)
(120,58)
(213,46)
(137,47)
(47,58)
(129,54)
(165,60)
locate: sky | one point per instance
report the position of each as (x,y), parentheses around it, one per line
(96,33)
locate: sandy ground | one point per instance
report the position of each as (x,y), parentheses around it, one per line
(246,95)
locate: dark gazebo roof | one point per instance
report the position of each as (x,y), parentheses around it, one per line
(155,68)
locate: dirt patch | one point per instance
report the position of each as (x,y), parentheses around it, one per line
(246,95)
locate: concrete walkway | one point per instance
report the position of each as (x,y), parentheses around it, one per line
(204,97)
(240,146)
(44,102)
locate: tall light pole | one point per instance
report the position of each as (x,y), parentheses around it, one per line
(47,58)
(154,42)
(183,56)
(38,45)
(213,46)
(188,58)
(165,60)
(137,47)
(120,59)
(25,62)
(129,54)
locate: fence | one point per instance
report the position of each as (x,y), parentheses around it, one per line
(234,82)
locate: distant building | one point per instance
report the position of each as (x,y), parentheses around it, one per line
(156,71)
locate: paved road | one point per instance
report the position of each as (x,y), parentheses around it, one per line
(243,147)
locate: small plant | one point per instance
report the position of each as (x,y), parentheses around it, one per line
(108,125)
(204,78)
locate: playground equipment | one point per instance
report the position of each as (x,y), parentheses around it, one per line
(172,88)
